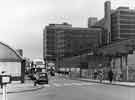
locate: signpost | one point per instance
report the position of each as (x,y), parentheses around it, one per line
(127,72)
(4,80)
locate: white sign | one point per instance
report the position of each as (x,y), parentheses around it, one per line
(5,79)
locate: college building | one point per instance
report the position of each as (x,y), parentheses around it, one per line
(104,44)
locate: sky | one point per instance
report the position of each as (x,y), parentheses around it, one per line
(22,21)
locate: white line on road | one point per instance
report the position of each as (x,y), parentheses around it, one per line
(47,85)
(57,85)
(78,84)
(67,84)
(88,83)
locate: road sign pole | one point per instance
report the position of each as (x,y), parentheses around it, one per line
(4,97)
(127,73)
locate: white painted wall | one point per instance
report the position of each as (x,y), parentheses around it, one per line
(11,68)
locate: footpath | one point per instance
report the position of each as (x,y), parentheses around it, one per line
(119,83)
(17,87)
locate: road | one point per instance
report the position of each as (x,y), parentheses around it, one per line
(61,89)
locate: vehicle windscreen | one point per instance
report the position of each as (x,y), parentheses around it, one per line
(43,75)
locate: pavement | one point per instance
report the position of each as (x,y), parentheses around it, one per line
(17,87)
(128,84)
(119,83)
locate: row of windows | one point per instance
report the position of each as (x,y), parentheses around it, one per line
(127,17)
(50,42)
(127,12)
(114,25)
(127,31)
(127,21)
(127,36)
(127,26)
(114,21)
(50,48)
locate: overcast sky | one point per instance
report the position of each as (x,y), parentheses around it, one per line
(22,21)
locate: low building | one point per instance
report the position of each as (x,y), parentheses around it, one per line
(11,62)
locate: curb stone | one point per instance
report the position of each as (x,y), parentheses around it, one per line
(105,83)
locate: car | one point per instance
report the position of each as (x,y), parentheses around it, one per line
(42,79)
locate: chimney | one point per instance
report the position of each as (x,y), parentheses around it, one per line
(107,24)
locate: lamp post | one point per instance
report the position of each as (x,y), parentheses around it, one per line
(45,62)
(80,65)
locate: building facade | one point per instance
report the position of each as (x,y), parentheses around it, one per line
(123,23)
(67,45)
(51,35)
(66,41)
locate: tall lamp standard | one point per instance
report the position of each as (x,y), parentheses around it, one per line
(45,60)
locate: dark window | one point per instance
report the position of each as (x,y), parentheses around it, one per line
(127,31)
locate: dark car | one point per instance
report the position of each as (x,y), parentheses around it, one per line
(42,79)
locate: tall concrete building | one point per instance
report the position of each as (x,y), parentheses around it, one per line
(107,20)
(105,24)
(63,40)
(117,23)
(51,38)
(123,23)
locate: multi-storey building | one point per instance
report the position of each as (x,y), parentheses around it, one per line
(63,40)
(123,23)
(118,23)
(51,35)
(77,40)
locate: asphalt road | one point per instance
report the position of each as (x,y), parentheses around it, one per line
(59,89)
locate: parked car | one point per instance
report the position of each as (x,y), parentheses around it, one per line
(42,79)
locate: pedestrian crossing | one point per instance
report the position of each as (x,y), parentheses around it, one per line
(56,79)
(69,84)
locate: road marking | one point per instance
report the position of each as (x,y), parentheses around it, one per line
(55,79)
(67,84)
(57,85)
(88,83)
(47,85)
(78,84)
